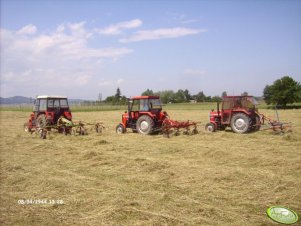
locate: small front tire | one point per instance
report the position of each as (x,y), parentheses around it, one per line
(210,127)
(120,129)
(27,129)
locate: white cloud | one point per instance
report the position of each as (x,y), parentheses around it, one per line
(27,30)
(193,72)
(112,83)
(59,60)
(116,29)
(161,34)
(120,81)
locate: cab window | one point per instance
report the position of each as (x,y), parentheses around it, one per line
(36,105)
(56,103)
(43,105)
(144,105)
(135,105)
(63,103)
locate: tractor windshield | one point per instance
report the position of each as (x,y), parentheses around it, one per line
(246,102)
(249,102)
(155,104)
(55,103)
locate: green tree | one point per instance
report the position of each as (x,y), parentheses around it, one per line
(245,93)
(187,95)
(118,93)
(179,96)
(166,96)
(216,99)
(282,92)
(224,94)
(147,92)
(200,97)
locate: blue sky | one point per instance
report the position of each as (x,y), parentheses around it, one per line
(82,48)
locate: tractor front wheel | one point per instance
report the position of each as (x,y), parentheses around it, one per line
(145,125)
(120,129)
(26,127)
(210,127)
(240,123)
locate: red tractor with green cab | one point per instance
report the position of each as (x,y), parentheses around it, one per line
(144,115)
(238,112)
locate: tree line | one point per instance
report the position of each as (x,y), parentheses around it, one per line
(282,92)
(169,96)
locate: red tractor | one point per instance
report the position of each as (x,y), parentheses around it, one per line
(238,112)
(48,110)
(144,115)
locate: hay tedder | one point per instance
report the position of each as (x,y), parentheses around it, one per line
(145,116)
(53,112)
(241,114)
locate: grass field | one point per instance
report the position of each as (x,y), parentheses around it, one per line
(108,179)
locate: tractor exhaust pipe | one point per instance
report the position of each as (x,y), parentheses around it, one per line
(217,108)
(129,109)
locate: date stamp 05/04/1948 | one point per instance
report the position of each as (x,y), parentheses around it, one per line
(40,201)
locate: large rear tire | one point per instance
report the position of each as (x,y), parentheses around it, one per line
(240,123)
(42,121)
(145,125)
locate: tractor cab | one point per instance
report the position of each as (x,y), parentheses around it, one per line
(144,115)
(238,112)
(239,102)
(53,107)
(47,110)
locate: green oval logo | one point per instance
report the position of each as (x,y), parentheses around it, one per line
(282,215)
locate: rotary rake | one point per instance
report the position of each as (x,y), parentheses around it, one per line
(274,125)
(174,127)
(66,127)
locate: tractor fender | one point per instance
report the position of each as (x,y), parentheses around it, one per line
(68,115)
(49,116)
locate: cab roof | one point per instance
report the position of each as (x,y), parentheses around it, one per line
(51,96)
(145,97)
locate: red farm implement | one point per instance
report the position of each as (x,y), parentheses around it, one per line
(173,127)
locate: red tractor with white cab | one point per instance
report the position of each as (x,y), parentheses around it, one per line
(47,111)
(238,112)
(144,115)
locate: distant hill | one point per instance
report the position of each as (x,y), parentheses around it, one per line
(16,100)
(29,100)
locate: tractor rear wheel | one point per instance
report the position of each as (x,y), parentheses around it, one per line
(145,125)
(210,127)
(240,123)
(42,121)
(120,129)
